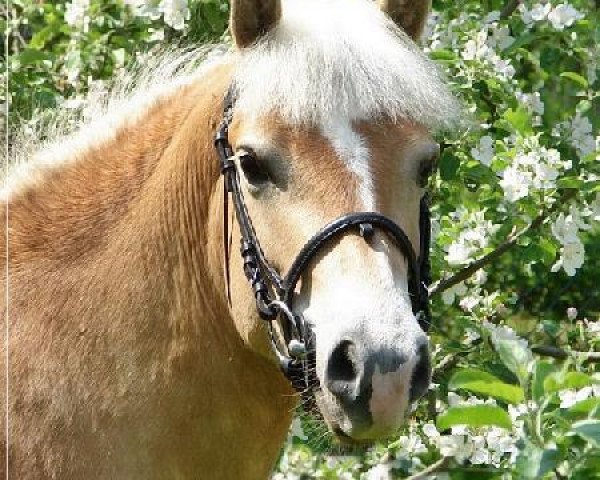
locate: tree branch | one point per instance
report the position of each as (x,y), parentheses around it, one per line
(441,464)
(555,352)
(511,241)
(509,8)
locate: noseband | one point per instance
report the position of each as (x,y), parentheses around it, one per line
(274,294)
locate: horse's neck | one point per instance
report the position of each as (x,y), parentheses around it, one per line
(123,236)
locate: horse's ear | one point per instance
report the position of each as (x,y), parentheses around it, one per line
(409,15)
(251,19)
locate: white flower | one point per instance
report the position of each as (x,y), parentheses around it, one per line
(469,303)
(480,455)
(480,277)
(431,432)
(457,446)
(176,12)
(477,48)
(484,152)
(565,229)
(532,102)
(412,444)
(449,295)
(516,411)
(563,15)
(570,397)
(453,399)
(492,17)
(471,335)
(595,208)
(474,237)
(503,67)
(379,472)
(75,13)
(459,253)
(515,183)
(572,256)
(581,135)
(544,176)
(540,11)
(592,328)
(571,313)
(145,8)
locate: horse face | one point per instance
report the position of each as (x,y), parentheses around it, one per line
(372,357)
(323,112)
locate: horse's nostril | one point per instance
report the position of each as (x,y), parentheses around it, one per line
(342,370)
(421,375)
(342,363)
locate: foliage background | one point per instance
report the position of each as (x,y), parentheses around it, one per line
(516,392)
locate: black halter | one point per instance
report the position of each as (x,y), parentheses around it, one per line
(274,294)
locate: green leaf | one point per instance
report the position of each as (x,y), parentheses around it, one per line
(449,164)
(30,57)
(519,119)
(561,381)
(442,55)
(483,383)
(589,430)
(548,250)
(515,355)
(570,182)
(534,462)
(541,371)
(585,407)
(575,77)
(474,416)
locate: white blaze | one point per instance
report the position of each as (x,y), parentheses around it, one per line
(351,148)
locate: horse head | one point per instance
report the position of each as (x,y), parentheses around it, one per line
(332,118)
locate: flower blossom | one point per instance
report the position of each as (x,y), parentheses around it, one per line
(563,15)
(484,152)
(482,47)
(538,12)
(533,103)
(570,397)
(592,329)
(565,229)
(76,13)
(581,137)
(515,183)
(450,294)
(379,472)
(175,12)
(534,166)
(475,234)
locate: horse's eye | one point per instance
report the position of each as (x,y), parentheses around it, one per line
(254,171)
(428,165)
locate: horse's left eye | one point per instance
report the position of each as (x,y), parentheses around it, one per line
(254,171)
(428,165)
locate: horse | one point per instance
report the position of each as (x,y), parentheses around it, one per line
(134,347)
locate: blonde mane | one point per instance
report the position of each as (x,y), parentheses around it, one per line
(317,65)
(51,138)
(311,68)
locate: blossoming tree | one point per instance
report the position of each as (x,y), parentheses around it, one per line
(516,206)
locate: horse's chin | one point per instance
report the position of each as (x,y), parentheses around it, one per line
(347,434)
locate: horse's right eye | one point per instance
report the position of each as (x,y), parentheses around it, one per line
(254,170)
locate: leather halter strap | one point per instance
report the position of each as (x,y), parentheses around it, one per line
(274,294)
